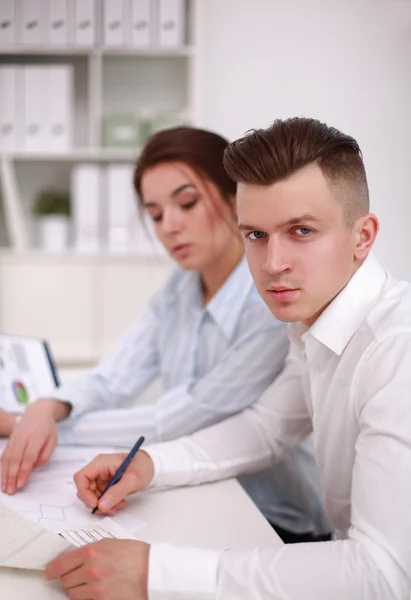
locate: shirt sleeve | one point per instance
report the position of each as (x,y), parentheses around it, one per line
(374,562)
(241,375)
(258,436)
(191,582)
(122,375)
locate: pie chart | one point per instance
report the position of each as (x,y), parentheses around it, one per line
(20,392)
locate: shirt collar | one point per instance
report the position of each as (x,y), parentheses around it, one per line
(187,288)
(225,307)
(340,320)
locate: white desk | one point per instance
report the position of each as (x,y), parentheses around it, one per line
(214,515)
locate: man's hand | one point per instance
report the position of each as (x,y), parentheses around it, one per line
(104,570)
(94,477)
(7,422)
(31,442)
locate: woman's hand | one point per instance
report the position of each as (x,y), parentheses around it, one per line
(7,423)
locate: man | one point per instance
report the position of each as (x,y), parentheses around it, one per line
(303,209)
(206,334)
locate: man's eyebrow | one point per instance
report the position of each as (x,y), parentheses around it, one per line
(174,193)
(301,219)
(294,221)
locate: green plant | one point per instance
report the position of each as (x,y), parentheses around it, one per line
(51,202)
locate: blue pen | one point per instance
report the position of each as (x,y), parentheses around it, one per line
(120,471)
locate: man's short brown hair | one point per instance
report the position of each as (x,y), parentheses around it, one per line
(265,156)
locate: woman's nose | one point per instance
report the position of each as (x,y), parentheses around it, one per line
(171,221)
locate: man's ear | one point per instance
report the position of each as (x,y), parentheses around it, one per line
(366,229)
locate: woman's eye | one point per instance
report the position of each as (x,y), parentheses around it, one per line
(156,218)
(256,235)
(189,204)
(304,231)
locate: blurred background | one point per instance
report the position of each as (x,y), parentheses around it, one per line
(83,83)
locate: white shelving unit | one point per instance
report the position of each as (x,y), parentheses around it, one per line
(81,303)
(107,80)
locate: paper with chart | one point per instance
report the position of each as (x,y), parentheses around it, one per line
(26,372)
(49,498)
(27,545)
(94,533)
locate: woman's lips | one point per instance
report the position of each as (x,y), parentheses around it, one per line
(181,251)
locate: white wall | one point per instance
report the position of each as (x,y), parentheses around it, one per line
(345,62)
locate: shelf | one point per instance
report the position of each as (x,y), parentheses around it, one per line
(149,51)
(75,155)
(34,256)
(46,50)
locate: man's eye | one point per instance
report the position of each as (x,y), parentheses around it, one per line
(156,218)
(304,231)
(256,235)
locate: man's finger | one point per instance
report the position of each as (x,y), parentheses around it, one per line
(74,578)
(96,469)
(86,489)
(81,592)
(116,494)
(88,478)
(63,564)
(112,511)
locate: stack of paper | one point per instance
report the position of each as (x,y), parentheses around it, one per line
(27,545)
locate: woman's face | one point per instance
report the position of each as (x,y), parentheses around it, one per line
(193,222)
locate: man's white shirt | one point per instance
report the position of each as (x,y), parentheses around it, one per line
(347,378)
(213,361)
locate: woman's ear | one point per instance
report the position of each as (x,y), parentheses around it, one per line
(366,229)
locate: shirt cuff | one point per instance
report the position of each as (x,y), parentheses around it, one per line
(65,394)
(182,573)
(172,463)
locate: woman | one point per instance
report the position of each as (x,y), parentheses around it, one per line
(206,334)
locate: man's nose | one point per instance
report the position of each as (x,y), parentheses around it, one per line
(277,259)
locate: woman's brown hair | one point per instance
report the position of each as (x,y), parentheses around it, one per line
(199,149)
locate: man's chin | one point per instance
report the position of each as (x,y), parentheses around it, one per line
(287,318)
(288,313)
